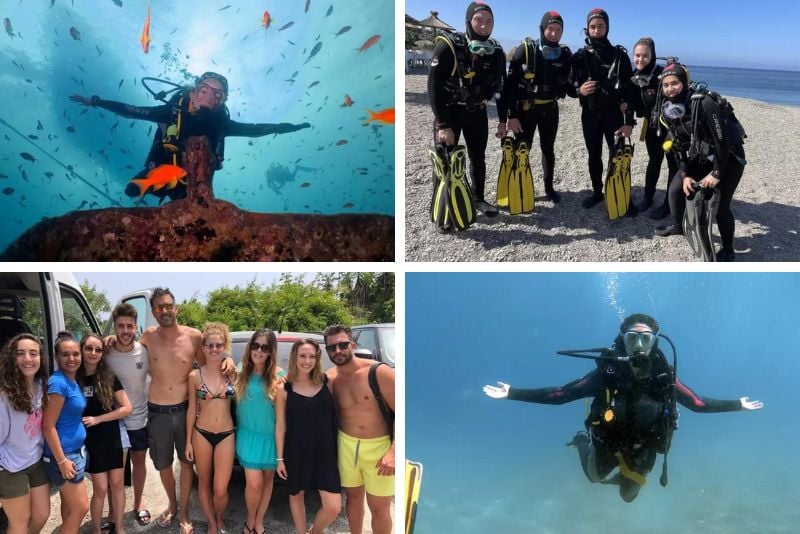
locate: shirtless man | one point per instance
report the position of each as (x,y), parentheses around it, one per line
(172,349)
(366,450)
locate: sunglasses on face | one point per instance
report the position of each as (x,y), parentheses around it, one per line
(160,308)
(342,345)
(212,346)
(259,347)
(96,350)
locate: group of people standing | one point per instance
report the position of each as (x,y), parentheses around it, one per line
(469,69)
(319,431)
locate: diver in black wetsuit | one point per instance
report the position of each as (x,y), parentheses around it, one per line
(646,79)
(601,78)
(197,111)
(467,69)
(707,141)
(537,77)
(634,410)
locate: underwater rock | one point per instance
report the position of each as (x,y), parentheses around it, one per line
(202,228)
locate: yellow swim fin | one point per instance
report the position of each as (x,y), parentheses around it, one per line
(413,483)
(629,473)
(461,202)
(506,167)
(520,185)
(618,180)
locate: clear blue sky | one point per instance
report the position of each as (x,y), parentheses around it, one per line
(182,285)
(710,33)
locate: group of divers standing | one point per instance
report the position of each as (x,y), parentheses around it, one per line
(695,128)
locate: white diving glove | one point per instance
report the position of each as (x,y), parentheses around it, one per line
(497,392)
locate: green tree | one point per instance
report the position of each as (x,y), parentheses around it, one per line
(98,301)
(192,313)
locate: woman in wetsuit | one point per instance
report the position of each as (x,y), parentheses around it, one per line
(537,77)
(707,141)
(467,70)
(633,412)
(601,76)
(646,79)
(209,426)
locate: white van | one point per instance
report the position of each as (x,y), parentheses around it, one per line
(43,304)
(144,316)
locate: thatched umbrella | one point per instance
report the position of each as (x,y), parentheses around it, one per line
(434,22)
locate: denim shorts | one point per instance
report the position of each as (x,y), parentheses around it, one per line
(78,457)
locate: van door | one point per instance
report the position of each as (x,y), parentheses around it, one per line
(144,317)
(66,307)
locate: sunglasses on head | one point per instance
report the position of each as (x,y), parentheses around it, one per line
(160,308)
(342,345)
(259,347)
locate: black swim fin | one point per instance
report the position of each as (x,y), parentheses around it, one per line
(699,219)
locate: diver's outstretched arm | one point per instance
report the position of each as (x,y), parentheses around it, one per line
(751,405)
(497,392)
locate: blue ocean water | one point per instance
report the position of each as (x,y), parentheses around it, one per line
(773,86)
(502,466)
(339,165)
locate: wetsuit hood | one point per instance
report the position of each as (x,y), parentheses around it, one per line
(650,67)
(676,69)
(551,17)
(473,8)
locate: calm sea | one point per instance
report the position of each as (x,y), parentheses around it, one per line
(773,86)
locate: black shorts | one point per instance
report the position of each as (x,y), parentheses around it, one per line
(138,439)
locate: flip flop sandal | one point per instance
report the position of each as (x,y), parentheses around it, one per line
(164,519)
(187,528)
(143,517)
(108,528)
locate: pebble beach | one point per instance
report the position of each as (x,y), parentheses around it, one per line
(766,203)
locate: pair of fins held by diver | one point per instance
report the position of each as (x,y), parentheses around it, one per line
(617,194)
(698,221)
(452,204)
(515,181)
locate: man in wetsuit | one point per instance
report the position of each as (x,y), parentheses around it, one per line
(198,111)
(634,409)
(467,70)
(601,75)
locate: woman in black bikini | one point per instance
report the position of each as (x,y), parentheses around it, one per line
(209,426)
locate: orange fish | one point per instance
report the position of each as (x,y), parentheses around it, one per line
(145,40)
(162,176)
(368,43)
(386,116)
(347,102)
(266,20)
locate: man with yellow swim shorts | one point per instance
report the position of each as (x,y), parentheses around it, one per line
(366,450)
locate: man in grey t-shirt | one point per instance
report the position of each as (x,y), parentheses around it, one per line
(129,361)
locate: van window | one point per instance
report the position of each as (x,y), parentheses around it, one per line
(32,315)
(77,318)
(140,303)
(366,340)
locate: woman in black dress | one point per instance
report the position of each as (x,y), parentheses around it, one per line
(306,430)
(106,405)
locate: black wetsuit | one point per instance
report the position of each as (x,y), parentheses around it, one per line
(644,100)
(459,103)
(534,100)
(600,114)
(216,125)
(724,141)
(638,427)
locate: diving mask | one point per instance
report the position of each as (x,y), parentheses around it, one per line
(481,48)
(673,110)
(638,343)
(641,80)
(550,52)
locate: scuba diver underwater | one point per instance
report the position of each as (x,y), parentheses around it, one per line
(634,411)
(190,111)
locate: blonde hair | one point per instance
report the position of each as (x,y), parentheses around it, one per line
(248,366)
(316,373)
(218,329)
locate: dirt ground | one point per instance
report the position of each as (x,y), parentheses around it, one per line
(278,519)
